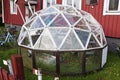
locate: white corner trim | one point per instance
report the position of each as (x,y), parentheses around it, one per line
(2,12)
(80,4)
(104,8)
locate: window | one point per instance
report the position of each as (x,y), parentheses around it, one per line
(111,7)
(74,3)
(13,8)
(28,12)
(32,1)
(47,3)
(91,2)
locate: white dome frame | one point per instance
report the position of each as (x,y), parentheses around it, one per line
(62,28)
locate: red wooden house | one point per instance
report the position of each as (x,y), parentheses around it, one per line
(107,12)
(14,15)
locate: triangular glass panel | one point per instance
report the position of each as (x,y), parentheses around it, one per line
(91,21)
(36,36)
(58,34)
(71,10)
(92,42)
(37,24)
(96,32)
(26,41)
(49,10)
(45,42)
(59,22)
(48,18)
(83,36)
(83,12)
(99,38)
(71,42)
(28,24)
(71,18)
(61,8)
(93,28)
(33,16)
(103,39)
(82,25)
(22,34)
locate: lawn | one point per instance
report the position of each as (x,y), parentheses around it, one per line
(110,71)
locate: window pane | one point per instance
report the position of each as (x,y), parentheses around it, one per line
(13,8)
(59,22)
(45,41)
(93,60)
(72,19)
(48,3)
(91,2)
(113,4)
(53,2)
(47,18)
(46,61)
(77,4)
(58,31)
(93,43)
(36,24)
(71,62)
(83,36)
(71,42)
(69,2)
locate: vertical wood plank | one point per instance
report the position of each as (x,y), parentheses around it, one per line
(57,63)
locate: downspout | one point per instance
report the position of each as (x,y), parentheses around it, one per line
(2,12)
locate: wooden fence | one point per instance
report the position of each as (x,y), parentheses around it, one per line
(4,75)
(18,70)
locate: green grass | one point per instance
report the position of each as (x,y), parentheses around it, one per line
(111,70)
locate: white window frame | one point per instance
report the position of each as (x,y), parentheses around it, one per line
(13,7)
(27,11)
(64,2)
(106,9)
(46,1)
(31,1)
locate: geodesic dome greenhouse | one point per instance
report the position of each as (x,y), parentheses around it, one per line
(65,37)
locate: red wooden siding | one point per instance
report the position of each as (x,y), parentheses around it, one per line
(110,23)
(39,5)
(59,1)
(16,19)
(13,18)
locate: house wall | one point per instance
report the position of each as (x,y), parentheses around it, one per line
(13,18)
(39,5)
(16,19)
(110,23)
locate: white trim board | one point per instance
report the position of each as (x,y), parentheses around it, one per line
(3,12)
